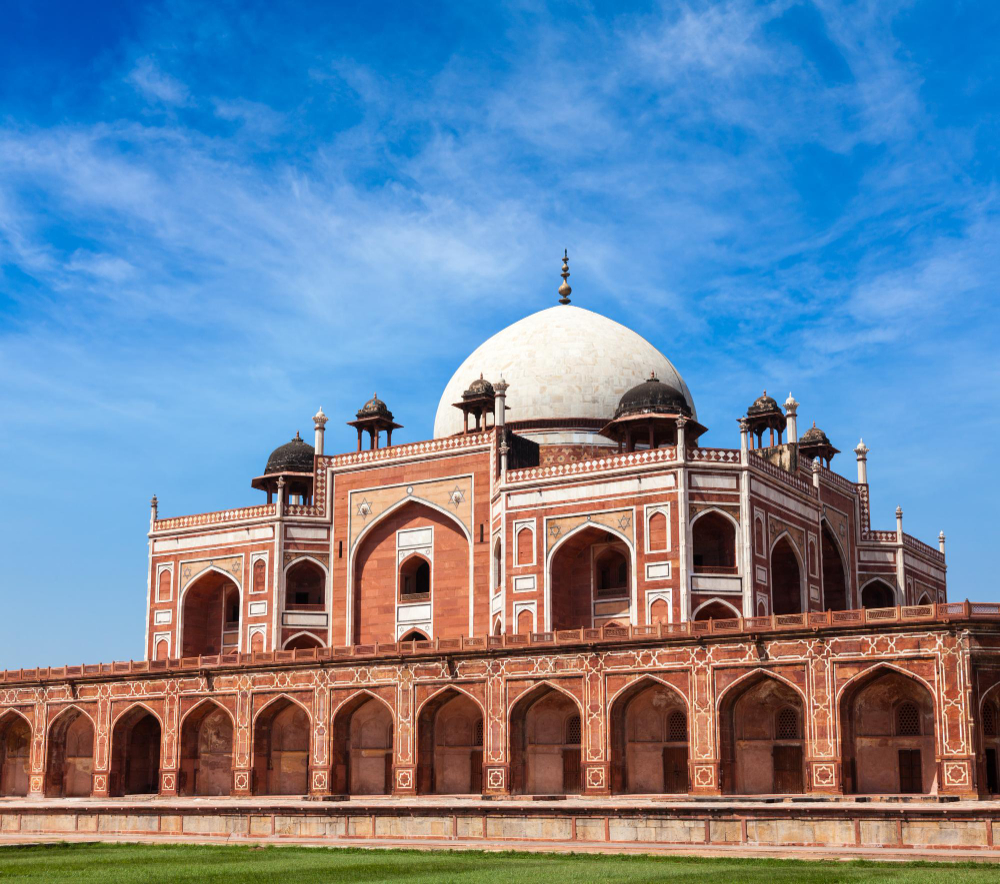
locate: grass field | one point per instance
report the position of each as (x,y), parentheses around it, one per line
(137,864)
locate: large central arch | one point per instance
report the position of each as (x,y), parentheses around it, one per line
(374,568)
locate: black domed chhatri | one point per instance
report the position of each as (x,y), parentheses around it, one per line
(652,397)
(374,407)
(816,444)
(763,405)
(292,457)
(479,389)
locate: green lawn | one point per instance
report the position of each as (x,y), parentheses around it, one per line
(113,863)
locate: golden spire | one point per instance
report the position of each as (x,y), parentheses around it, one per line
(564,289)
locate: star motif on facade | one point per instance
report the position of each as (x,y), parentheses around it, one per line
(457,497)
(364,508)
(554,531)
(625,522)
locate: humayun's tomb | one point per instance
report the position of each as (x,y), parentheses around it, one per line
(561,594)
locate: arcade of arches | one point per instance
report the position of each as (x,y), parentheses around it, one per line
(887,743)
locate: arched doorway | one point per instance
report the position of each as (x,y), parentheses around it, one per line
(835,593)
(713,540)
(135,754)
(281,749)
(70,764)
(887,737)
(762,745)
(786,578)
(425,535)
(450,754)
(590,576)
(362,747)
(649,740)
(545,742)
(210,616)
(15,755)
(207,751)
(877,594)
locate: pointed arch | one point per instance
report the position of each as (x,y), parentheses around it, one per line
(303,633)
(306,557)
(206,701)
(786,538)
(184,615)
(17,734)
(876,670)
(645,755)
(363,737)
(560,542)
(400,504)
(545,741)
(449,742)
(715,600)
(19,714)
(892,590)
(277,698)
(758,758)
(69,753)
(203,573)
(132,707)
(831,595)
(136,744)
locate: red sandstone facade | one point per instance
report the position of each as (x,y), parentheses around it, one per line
(486,613)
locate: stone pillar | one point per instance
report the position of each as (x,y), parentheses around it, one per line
(36,778)
(595,768)
(404,767)
(169,748)
(319,758)
(862,452)
(900,564)
(816,469)
(823,751)
(899,524)
(319,423)
(705,768)
(101,777)
(791,407)
(154,507)
(744,441)
(941,541)
(242,785)
(500,421)
(496,760)
(746,526)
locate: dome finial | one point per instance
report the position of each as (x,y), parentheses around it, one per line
(564,289)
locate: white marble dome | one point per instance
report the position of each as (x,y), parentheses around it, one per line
(562,364)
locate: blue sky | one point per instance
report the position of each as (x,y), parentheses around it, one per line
(215,218)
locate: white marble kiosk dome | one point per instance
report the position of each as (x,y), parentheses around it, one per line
(564,365)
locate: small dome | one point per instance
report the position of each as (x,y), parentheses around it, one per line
(652,396)
(763,404)
(292,457)
(374,407)
(478,389)
(814,436)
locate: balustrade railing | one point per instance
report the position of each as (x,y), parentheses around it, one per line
(815,620)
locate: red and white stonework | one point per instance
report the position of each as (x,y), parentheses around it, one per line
(561,593)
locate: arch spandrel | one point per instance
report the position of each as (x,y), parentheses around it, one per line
(620,522)
(452,496)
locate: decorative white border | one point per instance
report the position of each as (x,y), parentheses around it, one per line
(405,551)
(159,637)
(520,607)
(660,595)
(650,568)
(255,630)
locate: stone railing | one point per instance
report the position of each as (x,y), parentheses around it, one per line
(241,514)
(922,548)
(696,629)
(408,449)
(596,465)
(832,478)
(715,455)
(758,463)
(880,536)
